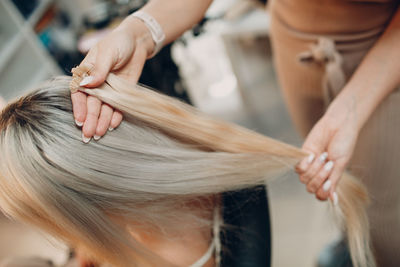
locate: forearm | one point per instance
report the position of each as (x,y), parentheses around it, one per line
(174,16)
(376,77)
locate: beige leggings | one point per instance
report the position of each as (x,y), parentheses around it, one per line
(308,87)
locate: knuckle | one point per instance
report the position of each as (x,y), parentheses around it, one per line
(297,169)
(320,178)
(116,119)
(102,127)
(92,114)
(320,196)
(310,188)
(302,179)
(324,195)
(307,175)
(100,131)
(88,132)
(300,168)
(80,116)
(312,171)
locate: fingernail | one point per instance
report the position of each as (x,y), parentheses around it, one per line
(78,123)
(328,166)
(335,199)
(310,158)
(96,137)
(111,129)
(327,185)
(86,80)
(85,139)
(323,157)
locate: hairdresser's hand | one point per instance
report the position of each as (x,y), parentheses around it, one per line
(123,52)
(331,144)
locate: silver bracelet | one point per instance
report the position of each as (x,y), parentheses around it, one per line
(157,33)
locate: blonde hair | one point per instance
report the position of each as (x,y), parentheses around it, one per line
(163,155)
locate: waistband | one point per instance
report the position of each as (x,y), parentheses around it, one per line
(327,51)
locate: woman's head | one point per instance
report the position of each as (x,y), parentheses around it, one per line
(39,143)
(147,172)
(136,173)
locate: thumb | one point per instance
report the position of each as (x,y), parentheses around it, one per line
(99,68)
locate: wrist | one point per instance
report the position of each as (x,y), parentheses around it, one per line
(138,33)
(346,108)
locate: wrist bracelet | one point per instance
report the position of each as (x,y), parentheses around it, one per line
(157,33)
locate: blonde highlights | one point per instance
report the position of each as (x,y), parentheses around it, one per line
(164,155)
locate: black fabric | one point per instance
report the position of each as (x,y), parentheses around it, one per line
(162,73)
(246,235)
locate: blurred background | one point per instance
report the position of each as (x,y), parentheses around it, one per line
(223,66)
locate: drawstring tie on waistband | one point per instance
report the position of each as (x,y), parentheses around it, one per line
(324,52)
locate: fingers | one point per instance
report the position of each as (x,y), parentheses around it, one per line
(100,61)
(106,114)
(127,62)
(89,112)
(104,63)
(324,191)
(109,120)
(316,172)
(321,178)
(79,107)
(92,116)
(305,163)
(100,118)
(116,120)
(313,168)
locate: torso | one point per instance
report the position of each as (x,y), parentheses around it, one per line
(335,16)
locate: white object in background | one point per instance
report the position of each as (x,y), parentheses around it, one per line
(223,88)
(207,73)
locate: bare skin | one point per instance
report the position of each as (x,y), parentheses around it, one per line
(336,132)
(179,251)
(124,52)
(182,246)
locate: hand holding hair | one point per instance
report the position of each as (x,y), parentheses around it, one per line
(122,52)
(155,161)
(331,144)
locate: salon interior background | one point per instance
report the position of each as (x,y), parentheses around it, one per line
(222,66)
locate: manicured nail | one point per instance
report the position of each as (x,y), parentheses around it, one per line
(323,157)
(328,166)
(111,129)
(78,123)
(85,139)
(310,158)
(335,199)
(86,80)
(327,185)
(96,137)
